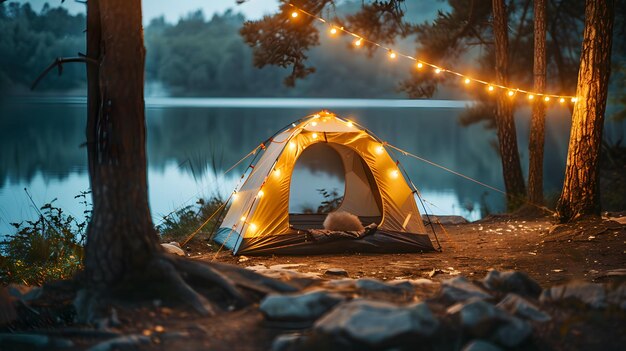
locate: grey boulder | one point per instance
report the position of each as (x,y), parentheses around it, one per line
(520,307)
(299,307)
(376,323)
(591,294)
(480,345)
(461,289)
(512,281)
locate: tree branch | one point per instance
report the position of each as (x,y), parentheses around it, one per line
(58,62)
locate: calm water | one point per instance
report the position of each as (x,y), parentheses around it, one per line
(192,141)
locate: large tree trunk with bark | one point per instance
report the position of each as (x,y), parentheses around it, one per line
(121,238)
(505,123)
(580,195)
(537,123)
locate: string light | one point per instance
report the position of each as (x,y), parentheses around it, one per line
(243,218)
(574,99)
(314,135)
(562,100)
(380,149)
(292,145)
(510,93)
(252,227)
(334,29)
(260,193)
(235,196)
(277,172)
(350,124)
(394,173)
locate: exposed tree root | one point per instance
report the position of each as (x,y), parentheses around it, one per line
(189,280)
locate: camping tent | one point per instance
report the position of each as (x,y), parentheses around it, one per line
(258,220)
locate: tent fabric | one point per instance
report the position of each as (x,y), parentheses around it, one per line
(258,220)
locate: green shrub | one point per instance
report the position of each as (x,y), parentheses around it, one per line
(179,224)
(49,248)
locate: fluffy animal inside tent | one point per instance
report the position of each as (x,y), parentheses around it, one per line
(342,221)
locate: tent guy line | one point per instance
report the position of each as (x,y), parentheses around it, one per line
(511,92)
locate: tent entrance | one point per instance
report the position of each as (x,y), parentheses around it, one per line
(330,177)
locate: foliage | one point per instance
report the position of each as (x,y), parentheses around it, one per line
(179,224)
(48,248)
(332,200)
(30,41)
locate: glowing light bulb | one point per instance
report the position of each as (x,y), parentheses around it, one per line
(350,124)
(437,70)
(243,218)
(394,174)
(314,135)
(561,100)
(252,227)
(510,93)
(313,124)
(277,172)
(293,124)
(467,80)
(490,88)
(574,99)
(260,193)
(546,99)
(358,42)
(333,31)
(392,55)
(380,149)
(235,196)
(531,96)
(294,14)
(292,145)
(419,65)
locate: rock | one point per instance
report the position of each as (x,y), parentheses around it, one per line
(450,220)
(483,320)
(591,294)
(377,323)
(287,342)
(461,289)
(480,345)
(286,274)
(173,249)
(24,292)
(512,281)
(287,265)
(617,296)
(367,285)
(341,284)
(520,307)
(243,258)
(21,341)
(299,307)
(122,342)
(336,272)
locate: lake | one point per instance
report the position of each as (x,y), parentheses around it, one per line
(192,141)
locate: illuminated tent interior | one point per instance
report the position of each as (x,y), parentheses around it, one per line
(259,221)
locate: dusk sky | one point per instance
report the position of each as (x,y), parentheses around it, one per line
(173,10)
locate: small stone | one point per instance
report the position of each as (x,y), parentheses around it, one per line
(512,281)
(461,289)
(368,285)
(591,294)
(243,259)
(337,272)
(374,323)
(286,342)
(480,345)
(159,329)
(520,307)
(173,249)
(299,307)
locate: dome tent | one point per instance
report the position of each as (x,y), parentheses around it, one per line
(258,220)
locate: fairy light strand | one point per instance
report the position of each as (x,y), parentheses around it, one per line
(393,54)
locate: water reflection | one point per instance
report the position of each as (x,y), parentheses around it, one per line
(190,147)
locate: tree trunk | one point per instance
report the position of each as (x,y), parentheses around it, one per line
(121,238)
(580,195)
(537,123)
(507,139)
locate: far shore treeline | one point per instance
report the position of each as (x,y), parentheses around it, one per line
(197,56)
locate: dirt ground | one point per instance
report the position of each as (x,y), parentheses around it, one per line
(590,250)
